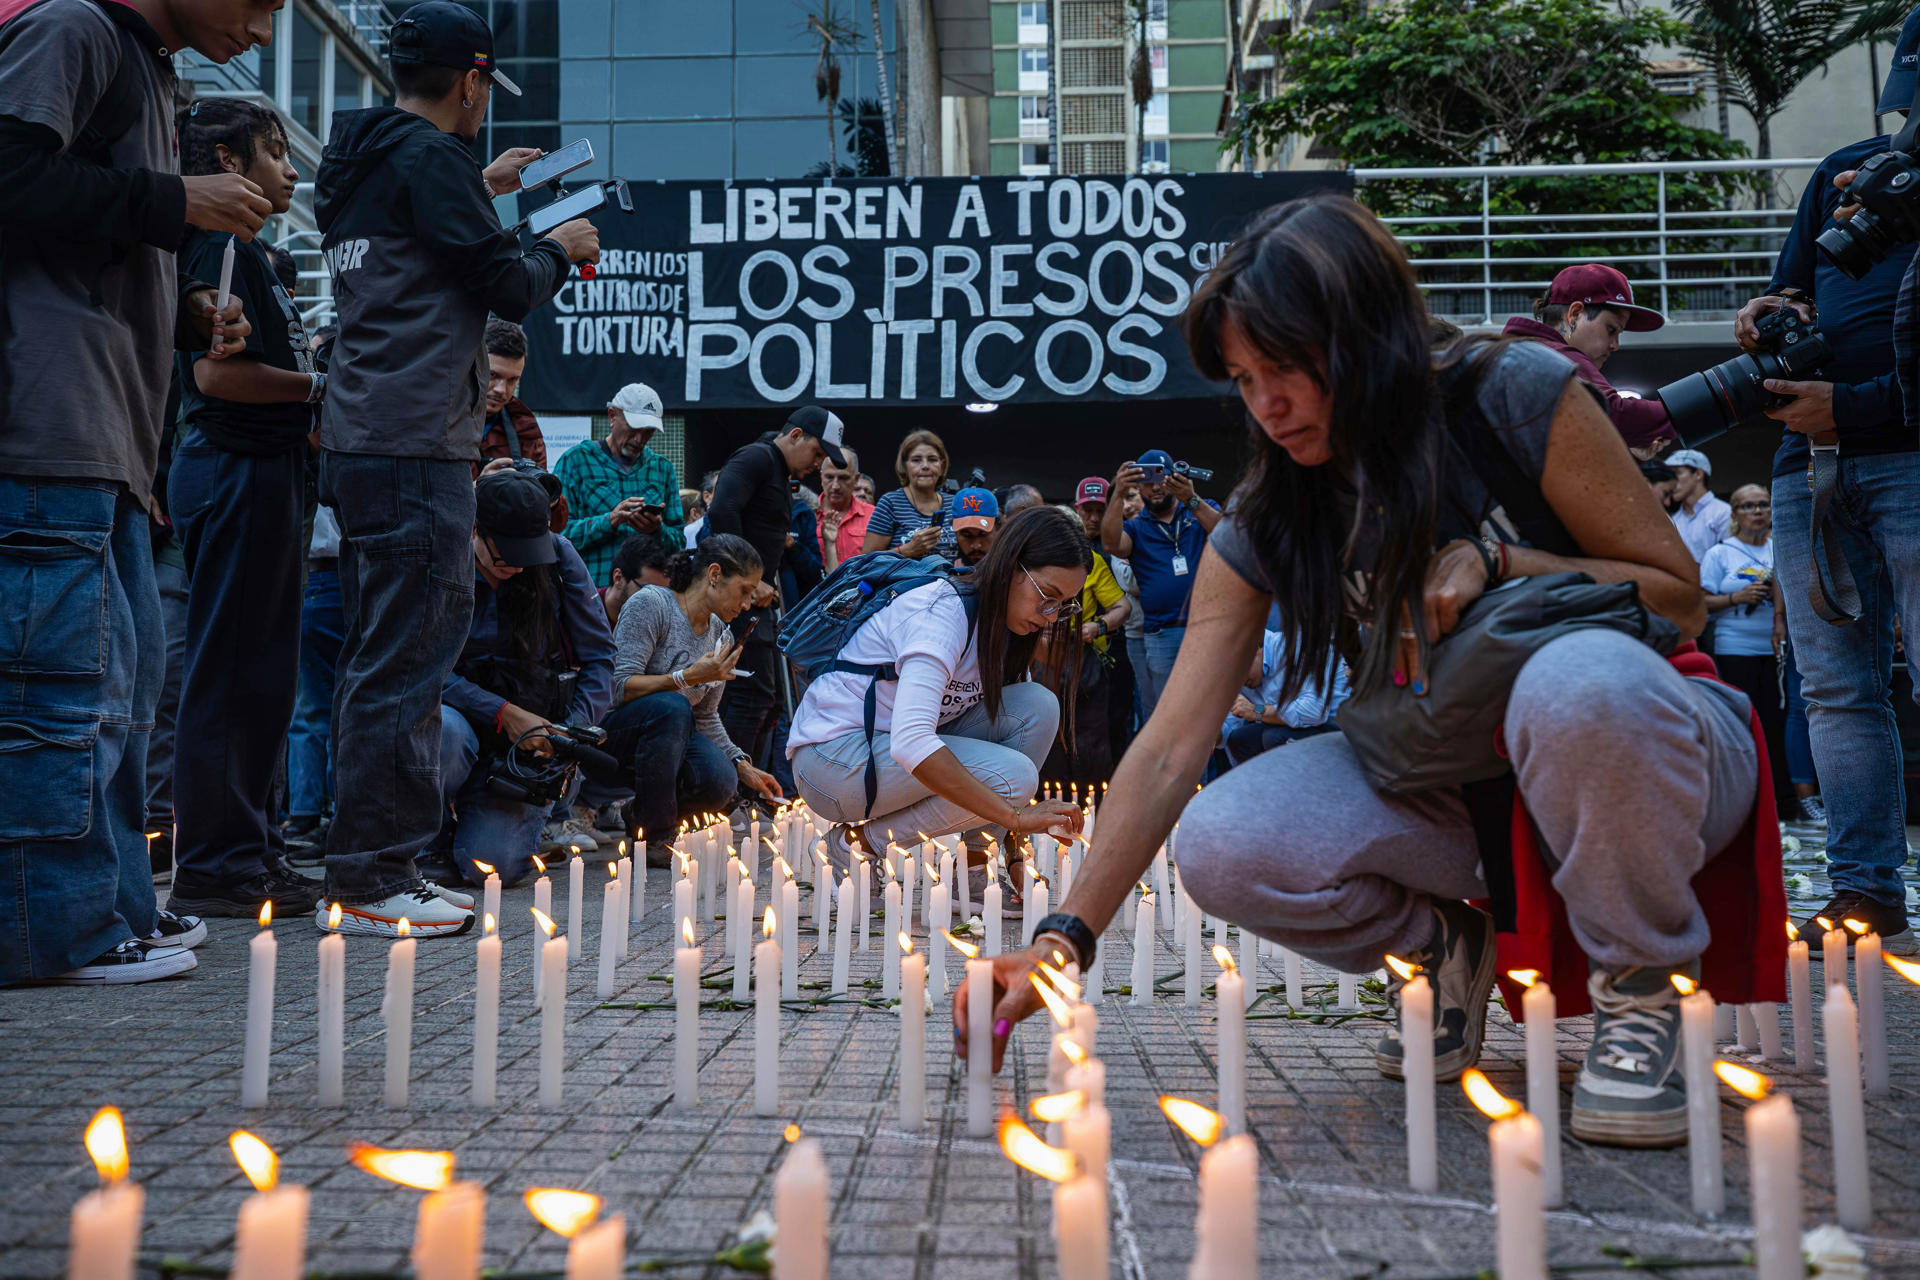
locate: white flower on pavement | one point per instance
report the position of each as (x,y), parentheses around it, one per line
(1832,1254)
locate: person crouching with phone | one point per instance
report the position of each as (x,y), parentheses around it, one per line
(674,654)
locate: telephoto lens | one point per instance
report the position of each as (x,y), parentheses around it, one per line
(1886,186)
(1733,393)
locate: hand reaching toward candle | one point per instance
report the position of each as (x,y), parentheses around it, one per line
(1058,818)
(222,333)
(1013,1000)
(226,202)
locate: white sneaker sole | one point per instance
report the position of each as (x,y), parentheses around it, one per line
(358,920)
(160,963)
(1628,1129)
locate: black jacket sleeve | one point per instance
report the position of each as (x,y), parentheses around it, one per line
(747,474)
(57,196)
(464,232)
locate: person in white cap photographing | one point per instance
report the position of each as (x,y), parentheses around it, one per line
(1701,518)
(619,486)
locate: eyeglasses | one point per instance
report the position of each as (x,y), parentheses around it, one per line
(1050,607)
(1754,506)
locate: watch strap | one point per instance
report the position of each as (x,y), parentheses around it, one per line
(1074,930)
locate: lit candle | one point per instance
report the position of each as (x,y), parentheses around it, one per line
(1416,1056)
(1800,992)
(1143,950)
(740,925)
(634,872)
(624,878)
(1540,1011)
(399,1011)
(270,1240)
(1833,953)
(1079,1201)
(490,889)
(595,1250)
(332,1013)
(576,903)
(890,948)
(1037,905)
(554,954)
(1226,1228)
(1773,1170)
(104,1233)
(862,901)
(789,934)
(843,937)
(1230,1012)
(612,913)
(683,890)
(1703,1097)
(1852,1193)
(800,1209)
(963,885)
(449,1232)
(766,1016)
(941,920)
(543,903)
(1088,1129)
(1515,1141)
(909,884)
(486,1013)
(913,1035)
(990,909)
(1160,874)
(686,1018)
(1873,1012)
(262,959)
(979,1039)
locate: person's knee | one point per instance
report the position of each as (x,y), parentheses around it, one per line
(1034,704)
(1211,844)
(459,748)
(1590,692)
(664,714)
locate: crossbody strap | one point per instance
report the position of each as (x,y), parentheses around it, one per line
(1831,590)
(870,711)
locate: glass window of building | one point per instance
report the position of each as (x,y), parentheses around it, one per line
(1033,15)
(1153,155)
(346,82)
(1033,61)
(304,103)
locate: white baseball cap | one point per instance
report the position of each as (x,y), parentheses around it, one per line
(640,404)
(1690,458)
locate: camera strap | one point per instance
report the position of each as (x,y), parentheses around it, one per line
(1831,590)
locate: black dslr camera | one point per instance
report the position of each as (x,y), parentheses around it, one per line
(539,780)
(1733,393)
(1887,189)
(1191,472)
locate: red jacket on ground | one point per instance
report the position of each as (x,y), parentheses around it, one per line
(1639,422)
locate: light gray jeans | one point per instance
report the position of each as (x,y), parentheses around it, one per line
(1633,773)
(1005,752)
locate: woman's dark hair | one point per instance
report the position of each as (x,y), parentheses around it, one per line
(1037,538)
(639,552)
(530,613)
(1319,285)
(734,554)
(234,123)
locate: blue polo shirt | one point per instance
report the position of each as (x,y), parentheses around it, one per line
(1164,593)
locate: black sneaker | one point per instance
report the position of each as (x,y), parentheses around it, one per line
(659,853)
(1632,1089)
(170,930)
(292,895)
(127,963)
(1460,964)
(1890,922)
(309,849)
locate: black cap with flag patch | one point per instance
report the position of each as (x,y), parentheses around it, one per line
(440,33)
(815,421)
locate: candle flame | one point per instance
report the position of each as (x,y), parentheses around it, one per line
(1194,1120)
(613,871)
(1824,923)
(333,916)
(1401,967)
(1061,982)
(405,927)
(1480,1091)
(1793,934)
(1748,1084)
(542,919)
(1905,968)
(792,1133)
(1057,1106)
(1051,998)
(266,913)
(686,929)
(485,868)
(1224,958)
(621,849)
(1024,1147)
(966,949)
(1525,977)
(786,868)
(906,943)
(422,1170)
(576,851)
(1683,984)
(256,1160)
(566,1212)
(106,1140)
(1860,927)
(1072,1051)
(540,864)
(767,924)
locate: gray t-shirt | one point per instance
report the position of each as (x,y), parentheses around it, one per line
(88,328)
(653,638)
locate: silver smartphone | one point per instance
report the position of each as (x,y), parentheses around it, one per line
(557,164)
(578,205)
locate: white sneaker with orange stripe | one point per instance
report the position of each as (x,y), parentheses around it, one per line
(428,915)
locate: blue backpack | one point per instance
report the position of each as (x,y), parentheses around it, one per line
(821,625)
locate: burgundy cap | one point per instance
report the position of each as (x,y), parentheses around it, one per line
(1092,489)
(1598,285)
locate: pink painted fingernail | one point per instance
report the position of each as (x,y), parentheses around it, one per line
(1001,1028)
(1399,679)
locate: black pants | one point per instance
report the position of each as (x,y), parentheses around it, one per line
(750,706)
(1758,676)
(676,772)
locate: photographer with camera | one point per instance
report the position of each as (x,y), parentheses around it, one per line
(619,485)
(1163,545)
(538,653)
(1582,315)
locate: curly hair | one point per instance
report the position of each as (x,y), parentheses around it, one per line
(237,124)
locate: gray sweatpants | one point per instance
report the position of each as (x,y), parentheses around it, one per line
(1634,775)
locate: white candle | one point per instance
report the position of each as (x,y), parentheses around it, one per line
(1160,874)
(612,912)
(1192,939)
(843,938)
(913,1039)
(576,904)
(1096,980)
(990,912)
(599,1252)
(1080,1228)
(1703,1100)
(822,895)
(490,891)
(789,939)
(1249,965)
(1852,1193)
(1833,952)
(104,1232)
(1230,1011)
(686,1018)
(1349,991)
(1540,1010)
(270,1239)
(1038,907)
(1766,1015)
(543,903)
(1088,1131)
(1518,1198)
(1143,951)
(262,959)
(740,925)
(554,955)
(909,884)
(979,1048)
(890,944)
(1746,1031)
(634,872)
(862,902)
(1773,1166)
(1416,1043)
(730,944)
(448,1234)
(766,1017)
(800,1211)
(963,886)
(938,919)
(332,1016)
(225,295)
(1873,1013)
(399,1011)
(1800,991)
(1227,1226)
(625,912)
(1296,976)
(486,1014)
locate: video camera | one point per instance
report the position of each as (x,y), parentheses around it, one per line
(1733,393)
(566,206)
(1154,473)
(538,780)
(976,479)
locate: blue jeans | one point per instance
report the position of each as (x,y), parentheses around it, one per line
(1162,647)
(1847,672)
(406,589)
(505,829)
(1799,765)
(309,771)
(172,581)
(1137,660)
(677,772)
(241,521)
(1247,739)
(82,659)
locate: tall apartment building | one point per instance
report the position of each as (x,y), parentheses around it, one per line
(1062,98)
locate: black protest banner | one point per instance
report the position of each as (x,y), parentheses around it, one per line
(947,290)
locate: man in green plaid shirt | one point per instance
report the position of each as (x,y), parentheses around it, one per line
(610,484)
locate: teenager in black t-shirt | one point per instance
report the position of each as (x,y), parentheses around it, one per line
(237,492)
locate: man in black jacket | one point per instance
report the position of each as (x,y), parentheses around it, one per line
(418,259)
(752,499)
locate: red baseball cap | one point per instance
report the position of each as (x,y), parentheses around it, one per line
(1598,285)
(1092,489)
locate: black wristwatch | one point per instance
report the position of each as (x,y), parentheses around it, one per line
(1074,930)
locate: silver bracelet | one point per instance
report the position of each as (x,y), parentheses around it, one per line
(318,387)
(680,679)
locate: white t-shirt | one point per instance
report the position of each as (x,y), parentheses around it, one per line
(1741,630)
(925,635)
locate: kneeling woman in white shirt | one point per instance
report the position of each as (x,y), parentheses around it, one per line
(959,738)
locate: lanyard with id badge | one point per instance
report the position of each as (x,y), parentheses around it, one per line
(1179,561)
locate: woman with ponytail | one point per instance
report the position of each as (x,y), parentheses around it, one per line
(674,657)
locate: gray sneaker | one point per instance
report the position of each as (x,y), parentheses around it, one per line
(1460,963)
(1632,1089)
(843,840)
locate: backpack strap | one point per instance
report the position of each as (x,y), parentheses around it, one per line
(870,709)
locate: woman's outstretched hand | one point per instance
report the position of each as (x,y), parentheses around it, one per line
(1058,818)
(1013,1000)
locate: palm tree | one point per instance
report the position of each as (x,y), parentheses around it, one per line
(886,91)
(836,36)
(1140,81)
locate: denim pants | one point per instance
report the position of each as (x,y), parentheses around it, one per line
(1247,738)
(1161,647)
(1137,661)
(1799,766)
(172,582)
(1847,672)
(241,522)
(677,771)
(82,659)
(406,590)
(309,771)
(500,831)
(1004,752)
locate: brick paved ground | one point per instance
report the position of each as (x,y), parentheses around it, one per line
(931,1204)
